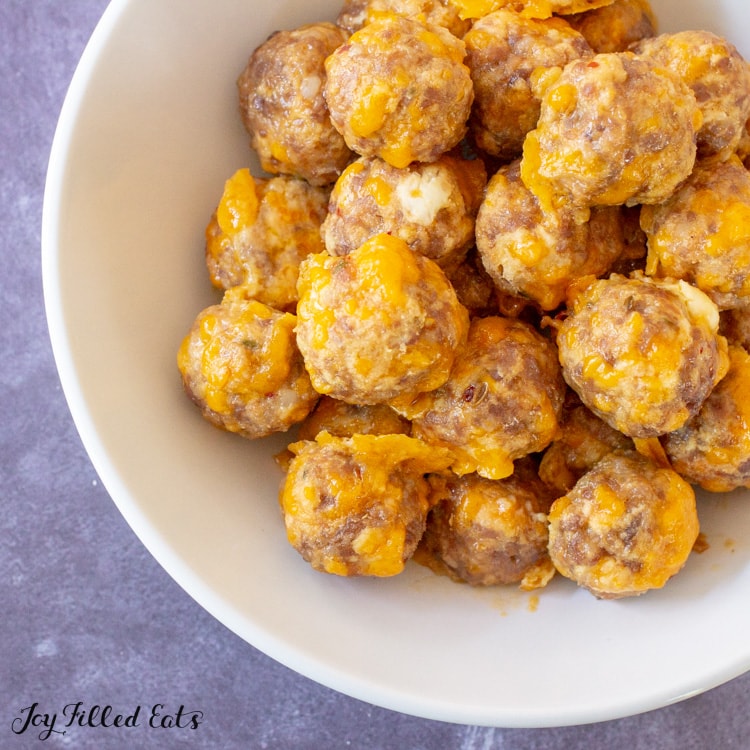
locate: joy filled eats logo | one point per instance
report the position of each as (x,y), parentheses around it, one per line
(33,720)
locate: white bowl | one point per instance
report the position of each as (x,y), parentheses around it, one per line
(148,134)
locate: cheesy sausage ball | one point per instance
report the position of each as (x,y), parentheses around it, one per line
(379,323)
(702,233)
(432,207)
(735,325)
(260,232)
(488,532)
(536,253)
(626,527)
(356,13)
(527,8)
(240,365)
(615,27)
(583,441)
(399,90)
(344,420)
(357,506)
(713,448)
(718,76)
(613,129)
(641,354)
(503,50)
(282,105)
(501,402)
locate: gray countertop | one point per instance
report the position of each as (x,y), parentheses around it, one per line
(87,614)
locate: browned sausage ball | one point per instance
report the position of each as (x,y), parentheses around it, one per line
(241,366)
(379,323)
(713,448)
(399,90)
(501,402)
(719,78)
(491,531)
(503,50)
(356,13)
(702,233)
(613,28)
(641,354)
(536,253)
(344,420)
(613,129)
(283,108)
(260,232)
(626,527)
(583,441)
(357,506)
(432,207)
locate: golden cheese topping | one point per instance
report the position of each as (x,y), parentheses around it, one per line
(358,505)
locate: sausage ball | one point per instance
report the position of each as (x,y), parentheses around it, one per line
(502,401)
(713,448)
(261,231)
(718,76)
(536,253)
(641,354)
(615,27)
(344,420)
(702,233)
(626,527)
(431,207)
(527,8)
(379,323)
(583,441)
(356,13)
(503,50)
(735,325)
(240,365)
(283,108)
(357,506)
(490,531)
(613,129)
(399,90)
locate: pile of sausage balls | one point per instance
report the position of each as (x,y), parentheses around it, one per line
(497,277)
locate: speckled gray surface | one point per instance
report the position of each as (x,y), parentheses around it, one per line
(87,614)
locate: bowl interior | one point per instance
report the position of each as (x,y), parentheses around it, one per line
(148,134)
